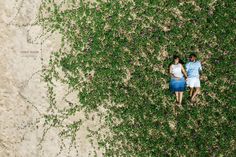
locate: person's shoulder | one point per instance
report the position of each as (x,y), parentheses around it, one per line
(180,64)
(198,62)
(187,63)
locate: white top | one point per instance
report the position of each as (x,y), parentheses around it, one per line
(177,70)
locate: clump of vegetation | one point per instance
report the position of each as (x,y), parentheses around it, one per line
(118,51)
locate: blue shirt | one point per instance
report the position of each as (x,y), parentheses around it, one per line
(193,69)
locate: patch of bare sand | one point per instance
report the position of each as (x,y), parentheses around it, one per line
(23,96)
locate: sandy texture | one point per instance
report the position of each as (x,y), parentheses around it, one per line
(23,98)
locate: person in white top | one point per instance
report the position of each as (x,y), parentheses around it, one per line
(177,82)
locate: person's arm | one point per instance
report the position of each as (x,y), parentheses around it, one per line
(200,67)
(183,71)
(200,70)
(187,67)
(170,71)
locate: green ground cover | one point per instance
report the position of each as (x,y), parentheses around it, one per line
(119,50)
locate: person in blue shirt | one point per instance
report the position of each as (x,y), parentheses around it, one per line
(193,69)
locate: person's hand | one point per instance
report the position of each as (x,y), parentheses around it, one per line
(177,78)
(201,78)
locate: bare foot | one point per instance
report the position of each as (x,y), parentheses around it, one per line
(179,105)
(192,100)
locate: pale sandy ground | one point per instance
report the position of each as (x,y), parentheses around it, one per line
(23,98)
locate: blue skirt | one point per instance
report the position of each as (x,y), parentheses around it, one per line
(177,85)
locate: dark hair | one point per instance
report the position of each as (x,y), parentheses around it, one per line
(175,57)
(193,55)
(172,62)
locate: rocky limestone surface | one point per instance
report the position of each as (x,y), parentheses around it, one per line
(24,50)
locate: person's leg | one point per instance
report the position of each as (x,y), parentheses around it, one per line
(190,83)
(177,96)
(197,91)
(180,97)
(191,92)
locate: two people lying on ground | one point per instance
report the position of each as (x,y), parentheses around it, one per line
(180,78)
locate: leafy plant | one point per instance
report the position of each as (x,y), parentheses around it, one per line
(119,52)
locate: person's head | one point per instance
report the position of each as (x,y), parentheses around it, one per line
(176,59)
(192,57)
